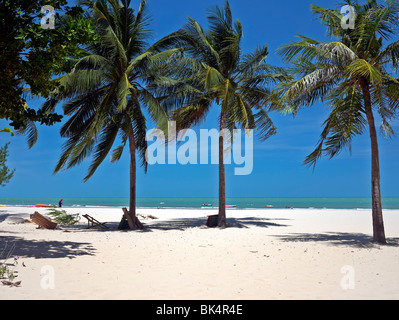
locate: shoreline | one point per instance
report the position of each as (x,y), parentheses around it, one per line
(189,203)
(204,208)
(262,254)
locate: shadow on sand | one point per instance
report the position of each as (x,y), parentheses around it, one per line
(186,223)
(16,246)
(357,240)
(5,214)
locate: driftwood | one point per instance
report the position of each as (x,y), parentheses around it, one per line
(132,224)
(43,221)
(11,284)
(147,216)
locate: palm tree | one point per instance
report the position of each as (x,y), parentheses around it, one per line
(213,70)
(351,74)
(106,94)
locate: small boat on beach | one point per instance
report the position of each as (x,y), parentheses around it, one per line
(39,205)
(231,206)
(207,205)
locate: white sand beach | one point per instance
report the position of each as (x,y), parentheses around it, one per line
(263,254)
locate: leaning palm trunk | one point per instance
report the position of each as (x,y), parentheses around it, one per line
(378,223)
(222,181)
(352,75)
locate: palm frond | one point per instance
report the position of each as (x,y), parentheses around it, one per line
(30,130)
(320,52)
(264,125)
(330,18)
(193,113)
(345,120)
(252,60)
(104,144)
(155,109)
(390,55)
(360,68)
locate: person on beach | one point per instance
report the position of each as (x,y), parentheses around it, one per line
(60,204)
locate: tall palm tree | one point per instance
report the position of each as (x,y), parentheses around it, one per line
(351,74)
(106,93)
(213,70)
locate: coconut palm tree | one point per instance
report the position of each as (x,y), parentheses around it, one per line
(214,71)
(106,94)
(353,75)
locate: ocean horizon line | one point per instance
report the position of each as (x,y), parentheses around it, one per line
(208,202)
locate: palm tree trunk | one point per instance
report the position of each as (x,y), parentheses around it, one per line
(378,223)
(132,203)
(222,186)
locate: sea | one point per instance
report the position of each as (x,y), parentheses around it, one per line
(359,203)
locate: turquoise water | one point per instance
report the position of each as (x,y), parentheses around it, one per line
(242,203)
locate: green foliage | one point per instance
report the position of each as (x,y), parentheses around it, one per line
(106,93)
(7,130)
(213,69)
(5,173)
(62,217)
(353,75)
(6,272)
(31,55)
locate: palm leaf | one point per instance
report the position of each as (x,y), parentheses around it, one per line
(29,129)
(265,125)
(362,69)
(104,145)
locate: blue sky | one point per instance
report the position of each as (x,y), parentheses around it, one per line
(278,169)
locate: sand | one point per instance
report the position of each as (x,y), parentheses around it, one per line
(263,254)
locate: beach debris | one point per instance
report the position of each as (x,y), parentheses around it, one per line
(147,216)
(62,217)
(132,224)
(10,283)
(93,223)
(43,221)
